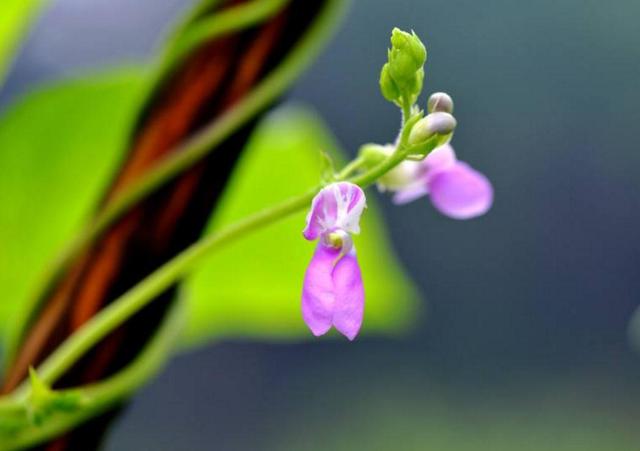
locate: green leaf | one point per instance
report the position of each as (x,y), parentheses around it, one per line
(252,288)
(58,147)
(15,16)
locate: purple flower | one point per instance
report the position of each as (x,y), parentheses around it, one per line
(333,294)
(455,188)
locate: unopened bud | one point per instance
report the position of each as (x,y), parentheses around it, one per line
(407,50)
(440,102)
(374,154)
(438,123)
(402,76)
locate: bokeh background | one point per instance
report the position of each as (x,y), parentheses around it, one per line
(524,344)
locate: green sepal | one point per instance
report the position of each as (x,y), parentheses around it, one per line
(388,87)
(327,167)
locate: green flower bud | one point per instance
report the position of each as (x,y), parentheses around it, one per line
(402,76)
(440,101)
(407,50)
(374,154)
(439,123)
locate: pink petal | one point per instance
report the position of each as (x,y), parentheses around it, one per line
(338,205)
(410,193)
(333,293)
(318,297)
(440,159)
(349,296)
(461,192)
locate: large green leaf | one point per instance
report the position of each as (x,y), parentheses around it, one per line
(15,16)
(252,288)
(58,147)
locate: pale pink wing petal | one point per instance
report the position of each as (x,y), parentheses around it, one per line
(440,159)
(461,192)
(318,296)
(349,296)
(410,193)
(402,175)
(338,205)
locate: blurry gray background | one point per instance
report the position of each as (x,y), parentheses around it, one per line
(528,306)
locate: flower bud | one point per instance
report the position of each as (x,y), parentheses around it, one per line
(438,123)
(440,102)
(402,76)
(374,154)
(407,52)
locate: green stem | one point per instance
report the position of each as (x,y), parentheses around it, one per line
(350,168)
(199,30)
(406,110)
(116,313)
(370,177)
(98,397)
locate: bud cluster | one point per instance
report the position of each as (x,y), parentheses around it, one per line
(402,76)
(439,124)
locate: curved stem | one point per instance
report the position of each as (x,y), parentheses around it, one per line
(350,168)
(97,397)
(146,291)
(199,30)
(406,110)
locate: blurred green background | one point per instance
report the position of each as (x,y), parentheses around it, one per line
(524,345)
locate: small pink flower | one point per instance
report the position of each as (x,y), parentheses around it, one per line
(455,188)
(333,294)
